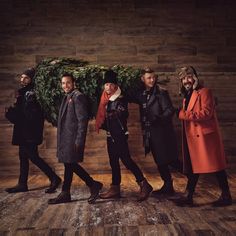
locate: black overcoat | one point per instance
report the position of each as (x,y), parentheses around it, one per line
(160,111)
(27,116)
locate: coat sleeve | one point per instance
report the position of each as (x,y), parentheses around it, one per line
(166,105)
(205,112)
(119,109)
(81,111)
(31,110)
(13,114)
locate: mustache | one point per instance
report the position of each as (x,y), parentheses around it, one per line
(187,83)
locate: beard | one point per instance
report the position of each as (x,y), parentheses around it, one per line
(188,86)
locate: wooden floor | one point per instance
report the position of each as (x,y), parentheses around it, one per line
(29,214)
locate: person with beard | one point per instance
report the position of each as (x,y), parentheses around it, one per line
(159,138)
(28,119)
(203,150)
(112,116)
(71,137)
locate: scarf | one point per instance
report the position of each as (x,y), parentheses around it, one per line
(101,114)
(146,124)
(187,98)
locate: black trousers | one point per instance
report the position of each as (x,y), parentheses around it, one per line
(165,173)
(163,169)
(221,177)
(30,152)
(117,150)
(71,168)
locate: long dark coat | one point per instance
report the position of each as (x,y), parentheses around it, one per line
(72,127)
(159,112)
(27,117)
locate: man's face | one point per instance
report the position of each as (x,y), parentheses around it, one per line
(149,80)
(110,88)
(188,82)
(67,84)
(24,80)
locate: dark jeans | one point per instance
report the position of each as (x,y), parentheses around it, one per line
(71,168)
(165,173)
(30,152)
(117,150)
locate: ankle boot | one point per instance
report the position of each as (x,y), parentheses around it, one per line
(94,190)
(185,200)
(63,197)
(145,190)
(166,189)
(113,192)
(225,199)
(55,182)
(18,188)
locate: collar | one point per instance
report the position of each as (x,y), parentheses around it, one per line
(71,92)
(115,95)
(24,89)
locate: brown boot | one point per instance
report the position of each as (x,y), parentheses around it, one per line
(113,192)
(145,190)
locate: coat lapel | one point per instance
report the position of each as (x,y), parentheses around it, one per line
(65,103)
(193,100)
(184,101)
(152,97)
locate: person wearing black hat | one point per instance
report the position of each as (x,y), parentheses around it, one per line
(27,117)
(112,116)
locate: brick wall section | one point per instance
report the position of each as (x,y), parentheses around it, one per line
(157,33)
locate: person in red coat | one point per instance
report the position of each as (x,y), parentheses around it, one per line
(203,150)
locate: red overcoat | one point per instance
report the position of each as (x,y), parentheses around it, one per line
(202,133)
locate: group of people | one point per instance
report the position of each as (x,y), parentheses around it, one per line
(202,146)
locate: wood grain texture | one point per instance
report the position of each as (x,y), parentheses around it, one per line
(29,214)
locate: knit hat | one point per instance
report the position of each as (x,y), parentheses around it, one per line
(110,77)
(30,72)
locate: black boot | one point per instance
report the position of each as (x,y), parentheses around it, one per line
(94,190)
(166,189)
(55,182)
(225,199)
(185,200)
(63,197)
(18,188)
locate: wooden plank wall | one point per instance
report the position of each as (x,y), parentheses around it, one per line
(160,34)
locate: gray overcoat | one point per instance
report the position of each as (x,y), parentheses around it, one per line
(72,127)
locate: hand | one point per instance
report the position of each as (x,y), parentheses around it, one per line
(6,109)
(177,110)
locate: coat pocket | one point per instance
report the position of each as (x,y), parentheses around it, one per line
(208,130)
